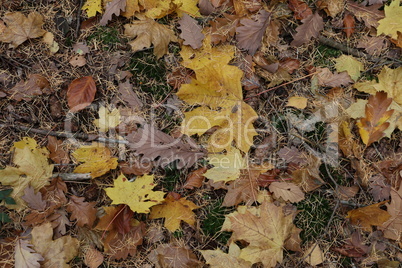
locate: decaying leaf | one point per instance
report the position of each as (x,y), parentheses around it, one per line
(81,93)
(373,45)
(287,191)
(114,7)
(349,64)
(301,9)
(137,194)
(107,119)
(149,32)
(311,27)
(96,159)
(173,255)
(83,212)
(219,259)
(55,252)
(372,126)
(174,209)
(368,216)
(25,256)
(26,90)
(191,32)
(391,24)
(21,28)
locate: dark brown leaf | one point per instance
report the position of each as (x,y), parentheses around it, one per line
(81,93)
(301,9)
(311,28)
(114,7)
(289,64)
(83,212)
(123,218)
(57,152)
(191,32)
(59,221)
(136,167)
(34,86)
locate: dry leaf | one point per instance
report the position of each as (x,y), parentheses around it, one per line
(78,61)
(92,7)
(223,28)
(173,255)
(354,247)
(20,28)
(195,178)
(380,189)
(83,212)
(349,64)
(311,27)
(81,93)
(34,86)
(393,227)
(226,166)
(190,32)
(287,191)
(57,152)
(314,255)
(391,24)
(297,102)
(127,94)
(332,8)
(368,216)
(300,9)
(34,201)
(373,45)
(174,209)
(149,32)
(25,256)
(93,258)
(107,119)
(349,25)
(327,78)
(370,14)
(113,7)
(218,259)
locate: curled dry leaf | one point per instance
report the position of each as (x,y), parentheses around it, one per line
(81,93)
(34,86)
(195,178)
(288,191)
(93,258)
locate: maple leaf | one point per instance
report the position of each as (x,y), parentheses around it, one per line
(83,212)
(34,86)
(311,27)
(92,7)
(55,252)
(314,255)
(370,14)
(132,6)
(217,88)
(25,256)
(107,119)
(368,216)
(391,24)
(287,191)
(372,126)
(115,7)
(173,255)
(219,259)
(137,194)
(190,32)
(81,93)
(349,64)
(174,209)
(392,228)
(20,28)
(249,36)
(265,229)
(388,81)
(148,32)
(96,159)
(33,168)
(226,166)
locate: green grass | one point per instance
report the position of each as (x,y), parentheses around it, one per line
(171,178)
(324,56)
(107,37)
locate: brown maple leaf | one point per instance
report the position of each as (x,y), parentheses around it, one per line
(311,28)
(244,189)
(115,7)
(83,212)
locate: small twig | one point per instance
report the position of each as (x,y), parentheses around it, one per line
(72,176)
(16,62)
(77,29)
(81,136)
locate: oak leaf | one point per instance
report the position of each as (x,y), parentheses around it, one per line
(369,14)
(34,201)
(265,228)
(149,32)
(287,191)
(368,216)
(107,119)
(96,159)
(138,195)
(349,64)
(25,256)
(190,32)
(391,24)
(250,34)
(373,45)
(300,9)
(219,259)
(26,90)
(92,7)
(114,7)
(372,126)
(20,28)
(83,212)
(311,27)
(33,168)
(55,252)
(174,209)
(226,166)
(81,93)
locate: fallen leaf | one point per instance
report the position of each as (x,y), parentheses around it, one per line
(332,8)
(48,38)
(195,178)
(25,256)
(132,7)
(78,61)
(311,27)
(34,201)
(81,93)
(81,48)
(250,34)
(297,102)
(137,194)
(226,166)
(300,9)
(107,119)
(327,78)
(369,14)
(173,255)
(92,7)
(219,259)
(391,24)
(55,252)
(373,45)
(354,247)
(57,153)
(26,90)
(114,7)
(96,159)
(368,216)
(149,32)
(127,94)
(223,28)
(93,258)
(20,28)
(174,210)
(136,167)
(190,32)
(372,126)
(287,191)
(392,228)
(83,212)
(349,64)
(314,255)
(349,25)
(292,155)
(380,189)
(33,169)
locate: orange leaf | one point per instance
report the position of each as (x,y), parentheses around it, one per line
(195,178)
(301,9)
(368,216)
(83,212)
(349,25)
(81,93)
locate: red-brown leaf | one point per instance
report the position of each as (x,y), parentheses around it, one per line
(301,9)
(81,93)
(83,212)
(311,27)
(195,178)
(57,153)
(349,25)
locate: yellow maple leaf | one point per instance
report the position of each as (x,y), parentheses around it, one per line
(187,6)
(297,102)
(32,168)
(107,119)
(265,228)
(219,259)
(92,7)
(217,88)
(226,166)
(132,7)
(349,64)
(156,9)
(174,211)
(392,23)
(138,195)
(96,158)
(389,81)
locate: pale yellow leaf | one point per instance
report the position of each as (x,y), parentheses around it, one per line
(349,64)
(92,7)
(314,255)
(392,23)
(297,102)
(107,119)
